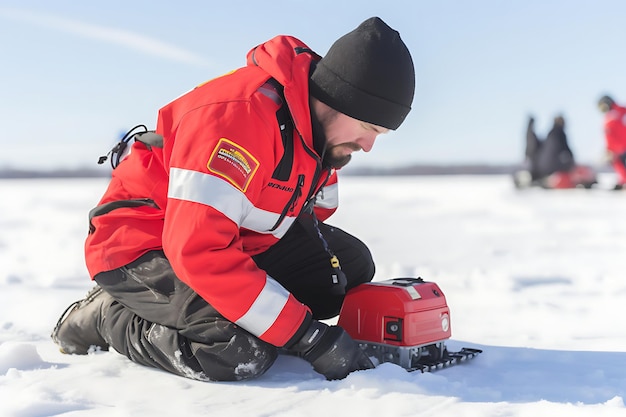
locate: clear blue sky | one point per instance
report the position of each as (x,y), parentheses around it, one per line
(74,74)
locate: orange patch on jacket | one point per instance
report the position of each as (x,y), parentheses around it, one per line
(233,163)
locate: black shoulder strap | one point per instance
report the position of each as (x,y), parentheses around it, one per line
(145,136)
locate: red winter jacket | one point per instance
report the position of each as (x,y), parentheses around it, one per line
(222,188)
(615,129)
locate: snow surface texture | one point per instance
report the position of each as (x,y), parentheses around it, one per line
(535,278)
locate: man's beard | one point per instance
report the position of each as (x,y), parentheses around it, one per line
(336,162)
(335,159)
(329,158)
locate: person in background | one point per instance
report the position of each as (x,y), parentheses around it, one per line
(615,137)
(553,154)
(210,247)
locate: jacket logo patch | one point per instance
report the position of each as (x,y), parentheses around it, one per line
(233,163)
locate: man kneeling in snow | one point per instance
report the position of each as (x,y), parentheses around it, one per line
(209,246)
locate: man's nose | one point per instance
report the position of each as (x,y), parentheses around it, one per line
(366,142)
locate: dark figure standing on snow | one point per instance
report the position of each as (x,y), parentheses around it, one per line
(209,247)
(545,157)
(615,137)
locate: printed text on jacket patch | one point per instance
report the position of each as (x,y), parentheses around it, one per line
(233,163)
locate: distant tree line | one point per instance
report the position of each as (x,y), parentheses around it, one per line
(417,169)
(11,173)
(435,169)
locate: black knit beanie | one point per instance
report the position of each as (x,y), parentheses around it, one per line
(368,75)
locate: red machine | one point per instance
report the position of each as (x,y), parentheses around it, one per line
(404,321)
(581,176)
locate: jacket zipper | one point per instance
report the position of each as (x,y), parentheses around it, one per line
(291,204)
(298,191)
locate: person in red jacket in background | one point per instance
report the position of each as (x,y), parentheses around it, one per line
(615,136)
(210,248)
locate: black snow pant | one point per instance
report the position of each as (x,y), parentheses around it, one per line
(158,321)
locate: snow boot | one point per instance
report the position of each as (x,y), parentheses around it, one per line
(77,330)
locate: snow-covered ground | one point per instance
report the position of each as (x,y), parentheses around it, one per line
(535,278)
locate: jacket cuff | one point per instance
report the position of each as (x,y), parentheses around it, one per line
(306,323)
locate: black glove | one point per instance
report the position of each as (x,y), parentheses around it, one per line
(331,351)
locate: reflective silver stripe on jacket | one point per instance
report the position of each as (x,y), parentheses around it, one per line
(199,187)
(328,197)
(266,308)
